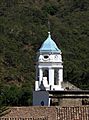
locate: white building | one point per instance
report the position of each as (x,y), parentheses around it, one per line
(50,89)
(49,67)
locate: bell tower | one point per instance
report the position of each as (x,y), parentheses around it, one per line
(49,66)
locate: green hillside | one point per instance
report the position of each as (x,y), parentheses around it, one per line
(23,28)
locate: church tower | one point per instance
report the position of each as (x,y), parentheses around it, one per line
(49,67)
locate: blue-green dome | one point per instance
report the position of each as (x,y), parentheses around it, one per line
(49,45)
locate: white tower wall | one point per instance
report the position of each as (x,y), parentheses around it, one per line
(50,60)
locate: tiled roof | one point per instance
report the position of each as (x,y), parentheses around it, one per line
(47,113)
(73,113)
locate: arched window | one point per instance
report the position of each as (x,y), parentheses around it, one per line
(56,82)
(46,74)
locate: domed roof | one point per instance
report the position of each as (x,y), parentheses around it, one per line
(49,45)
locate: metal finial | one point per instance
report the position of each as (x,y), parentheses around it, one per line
(48,25)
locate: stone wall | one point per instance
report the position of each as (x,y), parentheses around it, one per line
(47,113)
(70,102)
(69,98)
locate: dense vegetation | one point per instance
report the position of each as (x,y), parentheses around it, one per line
(23,28)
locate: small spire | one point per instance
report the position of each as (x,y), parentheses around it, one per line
(49,34)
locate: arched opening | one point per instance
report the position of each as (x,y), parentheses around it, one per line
(46,75)
(56,77)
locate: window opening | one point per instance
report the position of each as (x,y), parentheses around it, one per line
(56,77)
(46,74)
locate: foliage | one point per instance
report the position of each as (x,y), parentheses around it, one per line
(23,28)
